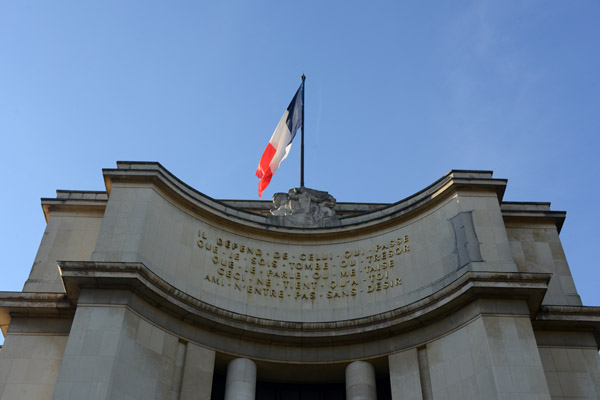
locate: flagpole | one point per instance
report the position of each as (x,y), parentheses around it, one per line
(302,138)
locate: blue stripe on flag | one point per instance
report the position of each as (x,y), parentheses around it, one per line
(294,119)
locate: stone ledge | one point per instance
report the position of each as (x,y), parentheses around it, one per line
(517,212)
(75,201)
(569,313)
(32,305)
(81,195)
(138,279)
(573,318)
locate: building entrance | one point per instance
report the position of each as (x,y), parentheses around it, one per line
(299,391)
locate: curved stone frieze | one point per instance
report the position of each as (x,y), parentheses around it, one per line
(251,264)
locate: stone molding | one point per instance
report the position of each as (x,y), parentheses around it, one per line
(79,201)
(28,304)
(237,212)
(572,318)
(518,212)
(155,174)
(140,280)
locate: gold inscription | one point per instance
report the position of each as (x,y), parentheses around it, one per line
(305,276)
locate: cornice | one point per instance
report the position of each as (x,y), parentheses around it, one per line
(75,201)
(29,304)
(226,214)
(138,279)
(531,212)
(582,318)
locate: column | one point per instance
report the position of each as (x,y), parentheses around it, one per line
(241,380)
(360,381)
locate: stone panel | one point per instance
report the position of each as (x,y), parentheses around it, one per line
(515,360)
(292,279)
(572,373)
(404,375)
(490,358)
(147,365)
(66,237)
(29,366)
(89,359)
(113,353)
(198,373)
(538,249)
(459,366)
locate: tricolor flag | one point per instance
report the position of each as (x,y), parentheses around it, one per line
(281,142)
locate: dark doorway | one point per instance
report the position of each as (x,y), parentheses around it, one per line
(299,391)
(296,391)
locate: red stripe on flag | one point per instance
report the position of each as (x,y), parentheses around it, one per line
(264,182)
(263,172)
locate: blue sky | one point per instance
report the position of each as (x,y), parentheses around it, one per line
(397,94)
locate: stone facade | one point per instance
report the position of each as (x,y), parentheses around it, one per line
(152,290)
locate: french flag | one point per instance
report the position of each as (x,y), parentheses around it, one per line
(281,142)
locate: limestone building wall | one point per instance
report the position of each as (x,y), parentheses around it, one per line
(571,372)
(114,353)
(537,248)
(154,290)
(29,365)
(66,237)
(70,234)
(489,358)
